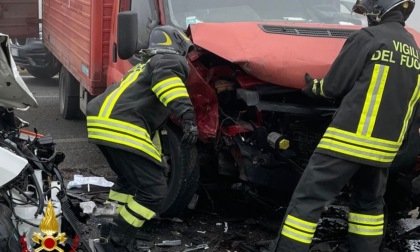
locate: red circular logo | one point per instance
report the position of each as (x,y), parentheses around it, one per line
(49,243)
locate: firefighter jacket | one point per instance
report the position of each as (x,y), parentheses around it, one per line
(127,114)
(376,75)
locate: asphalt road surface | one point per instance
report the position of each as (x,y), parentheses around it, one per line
(239,225)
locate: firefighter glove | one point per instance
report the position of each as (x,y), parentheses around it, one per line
(312,88)
(189,128)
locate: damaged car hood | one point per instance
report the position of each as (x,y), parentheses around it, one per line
(13,91)
(278,53)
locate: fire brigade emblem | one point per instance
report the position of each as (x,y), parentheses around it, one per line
(49,227)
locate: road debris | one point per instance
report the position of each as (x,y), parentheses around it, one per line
(88,207)
(168,243)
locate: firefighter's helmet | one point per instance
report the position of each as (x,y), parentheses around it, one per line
(169,39)
(376,9)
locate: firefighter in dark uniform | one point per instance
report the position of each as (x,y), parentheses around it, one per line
(376,74)
(123,120)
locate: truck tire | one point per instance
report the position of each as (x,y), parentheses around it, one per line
(9,238)
(68,95)
(184,173)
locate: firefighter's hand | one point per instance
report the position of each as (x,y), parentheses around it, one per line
(311,87)
(189,128)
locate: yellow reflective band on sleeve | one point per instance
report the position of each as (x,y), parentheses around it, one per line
(141,210)
(373,100)
(131,219)
(366,230)
(162,85)
(297,235)
(174,94)
(300,224)
(366,219)
(119,197)
(413,101)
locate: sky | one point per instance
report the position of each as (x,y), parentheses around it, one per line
(414,20)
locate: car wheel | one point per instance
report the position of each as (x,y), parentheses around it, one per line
(41,74)
(182,174)
(9,238)
(68,95)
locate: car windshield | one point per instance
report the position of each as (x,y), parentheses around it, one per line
(185,12)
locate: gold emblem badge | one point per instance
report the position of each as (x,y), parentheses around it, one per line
(49,226)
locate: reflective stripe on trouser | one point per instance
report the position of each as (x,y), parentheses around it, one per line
(119,198)
(322,180)
(365,224)
(135,214)
(298,229)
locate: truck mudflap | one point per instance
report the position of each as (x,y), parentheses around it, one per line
(73,221)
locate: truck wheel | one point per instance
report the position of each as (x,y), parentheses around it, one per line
(182,175)
(68,95)
(9,238)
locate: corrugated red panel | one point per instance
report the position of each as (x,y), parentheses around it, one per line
(77,32)
(19,18)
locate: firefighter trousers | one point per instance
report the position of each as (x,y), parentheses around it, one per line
(139,189)
(322,180)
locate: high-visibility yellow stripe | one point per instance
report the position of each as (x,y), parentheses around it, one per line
(321,87)
(362,143)
(359,138)
(168,100)
(124,140)
(373,100)
(141,210)
(297,235)
(367,141)
(110,121)
(366,219)
(121,90)
(157,143)
(106,106)
(366,230)
(123,135)
(414,99)
(166,81)
(168,85)
(119,197)
(174,94)
(163,90)
(356,151)
(121,129)
(131,219)
(300,224)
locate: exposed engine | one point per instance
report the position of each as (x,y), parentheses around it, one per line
(32,193)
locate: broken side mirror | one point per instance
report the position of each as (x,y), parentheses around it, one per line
(127,34)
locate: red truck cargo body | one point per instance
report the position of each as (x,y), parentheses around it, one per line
(72,30)
(19,18)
